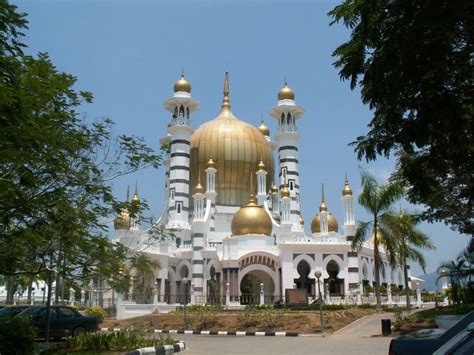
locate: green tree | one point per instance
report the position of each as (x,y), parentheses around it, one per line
(143,270)
(414,63)
(377,200)
(459,273)
(408,242)
(56,169)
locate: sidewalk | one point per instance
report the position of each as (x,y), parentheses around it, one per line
(365,327)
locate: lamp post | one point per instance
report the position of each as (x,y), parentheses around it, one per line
(185,282)
(318,276)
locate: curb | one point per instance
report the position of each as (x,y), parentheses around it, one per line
(162,349)
(220,332)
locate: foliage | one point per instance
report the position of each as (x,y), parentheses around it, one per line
(377,199)
(17,335)
(400,317)
(56,169)
(261,317)
(459,274)
(119,341)
(204,317)
(97,311)
(413,61)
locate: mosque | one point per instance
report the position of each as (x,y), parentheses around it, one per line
(236,216)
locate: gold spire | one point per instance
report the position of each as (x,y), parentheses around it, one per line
(346,191)
(226,99)
(135,194)
(128,193)
(261,166)
(323,206)
(274,189)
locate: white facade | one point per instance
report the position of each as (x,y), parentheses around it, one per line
(214,262)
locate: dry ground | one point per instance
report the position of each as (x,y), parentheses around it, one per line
(272,320)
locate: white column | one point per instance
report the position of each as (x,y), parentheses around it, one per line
(261,186)
(262,295)
(227,294)
(389,294)
(418,298)
(324,223)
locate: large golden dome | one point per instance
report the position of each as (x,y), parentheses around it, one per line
(251,219)
(236,147)
(316,224)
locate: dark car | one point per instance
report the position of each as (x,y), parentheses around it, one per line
(12,310)
(427,341)
(64,321)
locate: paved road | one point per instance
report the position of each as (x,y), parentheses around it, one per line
(361,337)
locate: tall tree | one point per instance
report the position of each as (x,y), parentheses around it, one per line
(414,63)
(377,200)
(408,241)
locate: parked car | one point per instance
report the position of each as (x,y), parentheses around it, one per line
(12,310)
(461,344)
(64,321)
(427,341)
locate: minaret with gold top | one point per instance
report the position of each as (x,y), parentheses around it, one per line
(348,205)
(286,112)
(181,105)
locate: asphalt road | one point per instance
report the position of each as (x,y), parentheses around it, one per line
(360,337)
(211,345)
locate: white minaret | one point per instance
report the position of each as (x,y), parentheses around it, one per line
(198,236)
(261,183)
(211,180)
(348,206)
(286,113)
(181,104)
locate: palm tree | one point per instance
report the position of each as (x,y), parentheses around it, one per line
(409,239)
(144,269)
(377,200)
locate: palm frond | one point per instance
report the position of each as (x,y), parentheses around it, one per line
(361,235)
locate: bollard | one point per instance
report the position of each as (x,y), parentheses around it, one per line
(386,327)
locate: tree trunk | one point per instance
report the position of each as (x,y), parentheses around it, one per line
(11,289)
(377,266)
(48,306)
(405,276)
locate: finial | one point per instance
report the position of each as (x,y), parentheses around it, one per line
(135,194)
(286,81)
(226,100)
(323,207)
(128,193)
(261,118)
(401,211)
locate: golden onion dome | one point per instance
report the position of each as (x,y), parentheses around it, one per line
(346,191)
(261,166)
(182,85)
(199,189)
(122,221)
(263,128)
(286,93)
(210,163)
(235,147)
(251,219)
(316,224)
(274,189)
(285,192)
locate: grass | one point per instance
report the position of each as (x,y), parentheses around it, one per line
(426,318)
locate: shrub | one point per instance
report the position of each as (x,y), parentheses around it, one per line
(269,319)
(204,317)
(400,317)
(97,311)
(248,317)
(116,341)
(17,335)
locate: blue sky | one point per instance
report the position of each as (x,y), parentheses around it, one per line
(129,54)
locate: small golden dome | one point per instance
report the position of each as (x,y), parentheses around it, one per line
(199,189)
(301,221)
(286,93)
(182,85)
(274,189)
(346,191)
(316,224)
(285,192)
(263,128)
(211,164)
(251,219)
(122,221)
(261,166)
